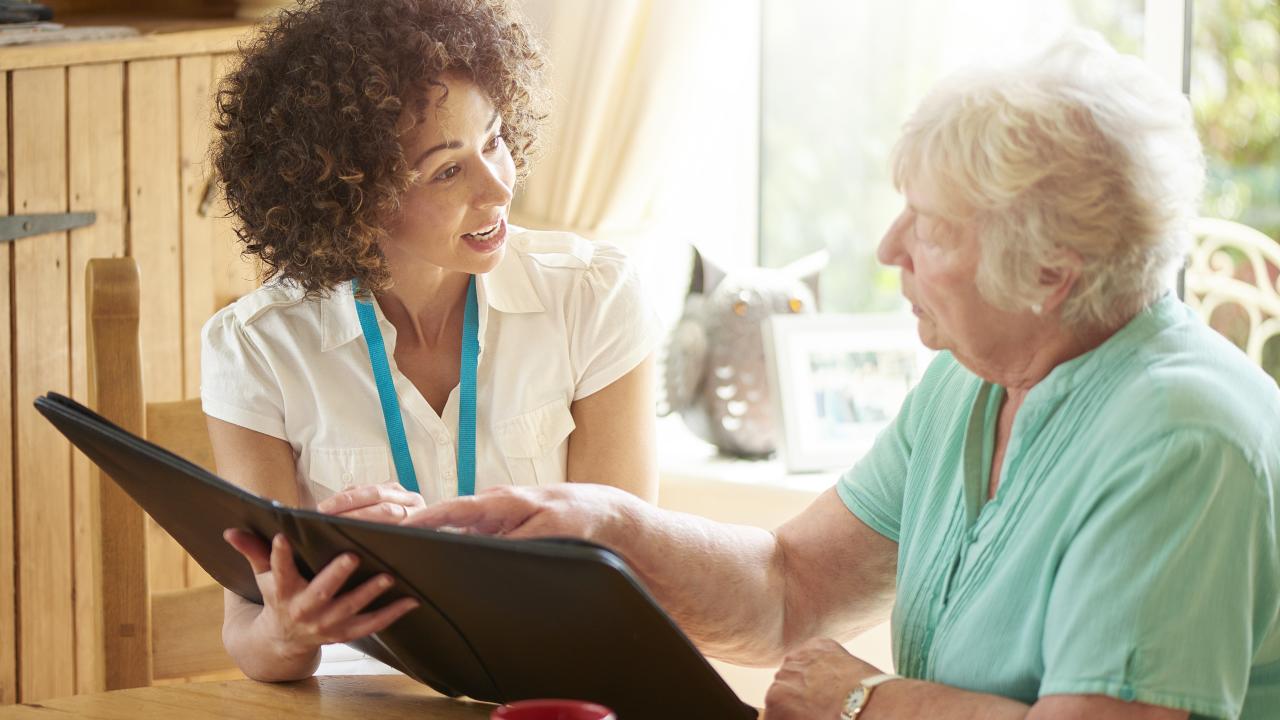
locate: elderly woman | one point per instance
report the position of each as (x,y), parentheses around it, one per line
(1074,514)
(410,346)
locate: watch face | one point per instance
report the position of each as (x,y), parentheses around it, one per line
(853,703)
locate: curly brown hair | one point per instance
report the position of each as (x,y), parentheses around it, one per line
(308,123)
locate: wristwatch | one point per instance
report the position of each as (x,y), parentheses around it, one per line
(857,700)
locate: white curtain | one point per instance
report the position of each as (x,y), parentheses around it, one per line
(654,134)
(616,71)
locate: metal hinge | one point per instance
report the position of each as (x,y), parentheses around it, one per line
(14,227)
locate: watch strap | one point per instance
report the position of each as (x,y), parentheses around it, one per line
(857,700)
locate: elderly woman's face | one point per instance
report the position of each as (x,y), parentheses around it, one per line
(454,217)
(939,262)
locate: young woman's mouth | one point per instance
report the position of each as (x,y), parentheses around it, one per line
(487,239)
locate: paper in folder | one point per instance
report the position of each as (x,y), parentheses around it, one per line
(499,620)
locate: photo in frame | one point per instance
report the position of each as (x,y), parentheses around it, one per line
(839,380)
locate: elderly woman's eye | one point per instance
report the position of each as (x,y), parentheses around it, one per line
(495,142)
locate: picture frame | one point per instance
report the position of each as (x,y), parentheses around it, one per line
(838,380)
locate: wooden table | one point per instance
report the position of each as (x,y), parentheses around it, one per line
(355,697)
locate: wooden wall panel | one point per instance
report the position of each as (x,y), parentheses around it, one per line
(233,275)
(195,77)
(85,131)
(41,363)
(170,8)
(155,234)
(8,600)
(95,146)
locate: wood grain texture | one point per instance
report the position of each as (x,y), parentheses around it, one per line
(181,427)
(195,101)
(385,697)
(234,275)
(120,652)
(159,45)
(8,599)
(186,636)
(154,241)
(46,635)
(144,636)
(95,146)
(195,76)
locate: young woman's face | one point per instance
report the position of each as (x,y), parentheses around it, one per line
(455,215)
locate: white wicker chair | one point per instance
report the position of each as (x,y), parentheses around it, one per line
(1233,281)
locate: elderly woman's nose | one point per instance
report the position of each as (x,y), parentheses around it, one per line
(891,251)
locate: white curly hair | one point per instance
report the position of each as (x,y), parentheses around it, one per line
(1079,157)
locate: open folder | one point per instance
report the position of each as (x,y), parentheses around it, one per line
(499,620)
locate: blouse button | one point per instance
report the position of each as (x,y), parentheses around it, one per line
(347,477)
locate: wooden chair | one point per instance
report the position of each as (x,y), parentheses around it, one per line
(140,637)
(1233,281)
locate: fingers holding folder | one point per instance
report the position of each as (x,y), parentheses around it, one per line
(300,615)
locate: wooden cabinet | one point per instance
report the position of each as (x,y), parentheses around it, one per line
(120,128)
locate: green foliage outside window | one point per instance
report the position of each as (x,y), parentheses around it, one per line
(1235,91)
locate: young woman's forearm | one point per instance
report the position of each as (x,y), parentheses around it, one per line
(256,654)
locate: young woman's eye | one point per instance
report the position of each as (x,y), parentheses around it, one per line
(495,142)
(448,172)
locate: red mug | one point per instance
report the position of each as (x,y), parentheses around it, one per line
(552,710)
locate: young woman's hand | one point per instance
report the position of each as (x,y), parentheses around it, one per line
(388,502)
(300,616)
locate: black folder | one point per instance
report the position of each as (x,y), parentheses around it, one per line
(499,620)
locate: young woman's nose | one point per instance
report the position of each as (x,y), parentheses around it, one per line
(493,186)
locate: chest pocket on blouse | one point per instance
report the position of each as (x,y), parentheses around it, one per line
(532,443)
(336,469)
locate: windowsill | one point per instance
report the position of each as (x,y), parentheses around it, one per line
(684,457)
(695,478)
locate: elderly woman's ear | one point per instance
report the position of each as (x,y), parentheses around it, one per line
(1058,281)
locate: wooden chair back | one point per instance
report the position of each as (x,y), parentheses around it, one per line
(141,637)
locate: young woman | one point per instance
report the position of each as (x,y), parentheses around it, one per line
(409,345)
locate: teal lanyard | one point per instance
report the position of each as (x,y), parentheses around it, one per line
(391,404)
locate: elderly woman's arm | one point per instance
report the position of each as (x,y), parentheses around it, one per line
(741,593)
(815,679)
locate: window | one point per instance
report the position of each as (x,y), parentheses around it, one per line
(1235,91)
(838,80)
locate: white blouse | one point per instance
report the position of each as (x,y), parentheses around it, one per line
(560,318)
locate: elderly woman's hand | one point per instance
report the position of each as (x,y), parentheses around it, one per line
(387,503)
(813,682)
(563,510)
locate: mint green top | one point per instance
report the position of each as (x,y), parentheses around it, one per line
(1131,547)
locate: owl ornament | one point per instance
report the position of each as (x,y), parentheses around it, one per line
(715,374)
